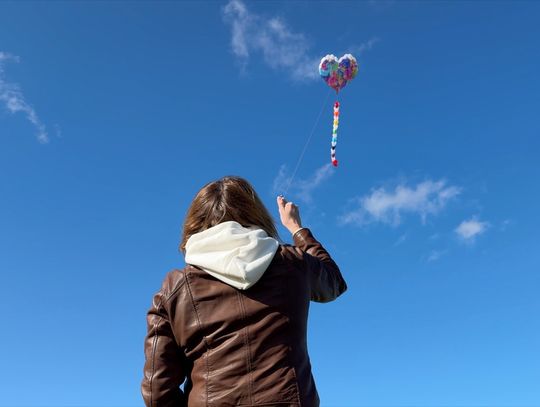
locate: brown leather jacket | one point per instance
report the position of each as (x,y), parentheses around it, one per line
(238,348)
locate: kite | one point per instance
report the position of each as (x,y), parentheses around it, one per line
(336,73)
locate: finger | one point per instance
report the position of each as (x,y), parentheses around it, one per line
(281,201)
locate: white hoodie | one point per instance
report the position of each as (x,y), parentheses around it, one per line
(232,253)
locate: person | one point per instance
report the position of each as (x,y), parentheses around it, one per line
(229,329)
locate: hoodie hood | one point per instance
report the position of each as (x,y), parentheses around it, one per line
(232,253)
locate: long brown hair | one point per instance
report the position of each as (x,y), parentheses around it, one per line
(227,199)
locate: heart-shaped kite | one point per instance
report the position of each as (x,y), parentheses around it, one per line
(336,73)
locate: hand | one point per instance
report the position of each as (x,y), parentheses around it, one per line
(289,215)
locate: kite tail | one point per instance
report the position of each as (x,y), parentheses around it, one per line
(334,135)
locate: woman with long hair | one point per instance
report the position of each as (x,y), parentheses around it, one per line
(230,328)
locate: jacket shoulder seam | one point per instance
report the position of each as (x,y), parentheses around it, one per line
(179,284)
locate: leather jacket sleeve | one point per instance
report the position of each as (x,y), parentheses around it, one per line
(165,364)
(326,280)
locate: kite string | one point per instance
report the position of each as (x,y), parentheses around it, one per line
(307,142)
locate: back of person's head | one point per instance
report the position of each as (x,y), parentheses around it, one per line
(227,199)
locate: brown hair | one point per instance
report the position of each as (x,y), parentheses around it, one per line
(227,199)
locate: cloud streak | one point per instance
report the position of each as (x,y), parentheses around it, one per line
(435,255)
(12,98)
(301,189)
(280,47)
(363,47)
(468,230)
(389,206)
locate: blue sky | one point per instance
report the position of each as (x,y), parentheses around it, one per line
(113,115)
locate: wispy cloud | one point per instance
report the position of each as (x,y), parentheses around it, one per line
(468,230)
(280,47)
(58,131)
(400,240)
(435,255)
(505,224)
(13,99)
(363,47)
(281,181)
(426,198)
(301,189)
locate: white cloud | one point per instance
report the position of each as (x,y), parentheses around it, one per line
(301,189)
(13,99)
(435,255)
(363,47)
(281,181)
(280,47)
(426,198)
(468,230)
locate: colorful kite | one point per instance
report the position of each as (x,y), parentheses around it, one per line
(336,73)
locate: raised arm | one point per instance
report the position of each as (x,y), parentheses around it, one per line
(325,279)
